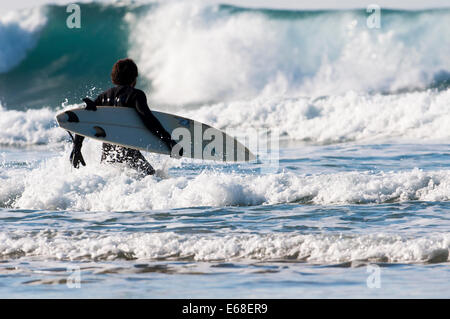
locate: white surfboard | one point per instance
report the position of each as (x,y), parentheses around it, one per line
(123,126)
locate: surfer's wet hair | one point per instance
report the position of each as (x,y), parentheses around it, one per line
(124,72)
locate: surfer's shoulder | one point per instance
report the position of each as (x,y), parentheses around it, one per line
(140,95)
(139,92)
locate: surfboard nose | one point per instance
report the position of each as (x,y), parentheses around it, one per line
(61,118)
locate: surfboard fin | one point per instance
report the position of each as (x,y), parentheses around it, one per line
(99,132)
(72,117)
(90,105)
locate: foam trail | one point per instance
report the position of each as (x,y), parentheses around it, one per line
(322,249)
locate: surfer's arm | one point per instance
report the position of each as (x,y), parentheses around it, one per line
(150,121)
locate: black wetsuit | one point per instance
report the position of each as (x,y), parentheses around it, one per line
(127,96)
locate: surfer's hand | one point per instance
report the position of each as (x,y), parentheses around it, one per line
(176,150)
(76,157)
(90,105)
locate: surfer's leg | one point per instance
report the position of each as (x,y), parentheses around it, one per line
(106,150)
(137,161)
(113,153)
(133,158)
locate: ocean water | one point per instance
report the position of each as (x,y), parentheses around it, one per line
(357,204)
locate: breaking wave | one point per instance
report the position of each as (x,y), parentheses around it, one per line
(196,53)
(328,249)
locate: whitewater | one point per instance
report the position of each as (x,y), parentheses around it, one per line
(361,179)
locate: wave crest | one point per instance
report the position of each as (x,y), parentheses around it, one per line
(18,34)
(320,249)
(194,53)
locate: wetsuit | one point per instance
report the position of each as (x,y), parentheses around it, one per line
(127,96)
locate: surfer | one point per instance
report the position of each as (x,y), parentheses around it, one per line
(124,75)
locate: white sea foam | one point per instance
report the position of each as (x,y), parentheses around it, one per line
(194,53)
(18,33)
(31,127)
(321,248)
(54,185)
(348,117)
(416,116)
